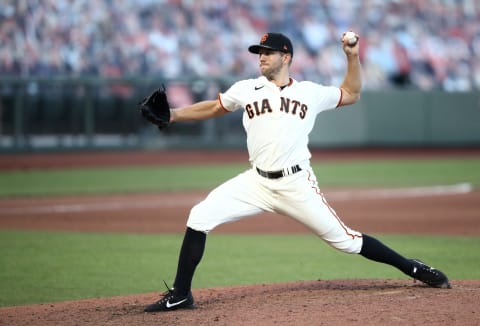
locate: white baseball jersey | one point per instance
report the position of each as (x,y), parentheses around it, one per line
(277,123)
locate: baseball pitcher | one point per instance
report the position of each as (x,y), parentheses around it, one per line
(278,114)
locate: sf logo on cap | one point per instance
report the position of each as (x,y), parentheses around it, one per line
(264,38)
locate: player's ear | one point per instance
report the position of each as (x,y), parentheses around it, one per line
(289,57)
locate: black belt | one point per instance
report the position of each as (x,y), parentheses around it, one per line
(280,173)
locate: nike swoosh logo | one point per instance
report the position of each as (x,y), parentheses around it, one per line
(170,305)
(259,87)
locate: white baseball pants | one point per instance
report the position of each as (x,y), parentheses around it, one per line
(297,196)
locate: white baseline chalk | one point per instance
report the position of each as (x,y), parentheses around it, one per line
(190,200)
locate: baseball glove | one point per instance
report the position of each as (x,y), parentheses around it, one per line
(155,108)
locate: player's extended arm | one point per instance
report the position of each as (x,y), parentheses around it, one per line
(352,84)
(198,111)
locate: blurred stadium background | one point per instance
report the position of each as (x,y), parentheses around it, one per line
(72,71)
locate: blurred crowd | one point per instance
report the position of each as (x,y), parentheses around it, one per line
(423,44)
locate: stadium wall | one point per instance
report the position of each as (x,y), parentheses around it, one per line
(65,114)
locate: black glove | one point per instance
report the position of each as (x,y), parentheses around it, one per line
(155,108)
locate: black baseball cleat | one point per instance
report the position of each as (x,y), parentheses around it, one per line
(171,301)
(429,275)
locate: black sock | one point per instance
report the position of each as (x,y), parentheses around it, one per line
(375,250)
(190,255)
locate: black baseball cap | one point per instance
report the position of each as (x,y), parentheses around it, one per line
(273,41)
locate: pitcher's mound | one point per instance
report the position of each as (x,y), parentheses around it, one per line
(339,302)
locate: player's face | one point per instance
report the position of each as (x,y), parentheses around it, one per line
(271,63)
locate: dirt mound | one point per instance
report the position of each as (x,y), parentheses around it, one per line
(340,302)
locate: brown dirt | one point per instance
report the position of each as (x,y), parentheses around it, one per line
(339,302)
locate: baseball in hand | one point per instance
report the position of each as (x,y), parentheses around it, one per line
(351,38)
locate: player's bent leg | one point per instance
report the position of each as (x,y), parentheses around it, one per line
(231,201)
(180,296)
(237,198)
(191,254)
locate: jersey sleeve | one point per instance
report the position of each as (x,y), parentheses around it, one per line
(231,100)
(329,97)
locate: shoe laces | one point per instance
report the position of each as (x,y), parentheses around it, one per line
(167,294)
(425,268)
(433,274)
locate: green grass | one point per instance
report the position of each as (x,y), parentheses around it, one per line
(113,180)
(39,267)
(195,177)
(400,173)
